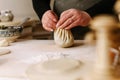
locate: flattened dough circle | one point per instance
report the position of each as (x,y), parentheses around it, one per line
(4,51)
(56,69)
(59,65)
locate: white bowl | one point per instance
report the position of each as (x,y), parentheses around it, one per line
(11,33)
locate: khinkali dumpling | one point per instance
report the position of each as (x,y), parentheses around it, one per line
(63,37)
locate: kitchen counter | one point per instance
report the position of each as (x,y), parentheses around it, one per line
(27,52)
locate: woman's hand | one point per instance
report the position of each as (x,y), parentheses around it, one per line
(49,20)
(72,18)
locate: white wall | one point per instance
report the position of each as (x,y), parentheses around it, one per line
(20,8)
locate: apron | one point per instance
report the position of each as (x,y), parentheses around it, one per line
(62,5)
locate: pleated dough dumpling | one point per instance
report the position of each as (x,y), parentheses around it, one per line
(63,37)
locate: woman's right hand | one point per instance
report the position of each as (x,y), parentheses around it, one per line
(49,20)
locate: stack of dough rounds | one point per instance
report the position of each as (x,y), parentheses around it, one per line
(4,43)
(63,38)
(56,69)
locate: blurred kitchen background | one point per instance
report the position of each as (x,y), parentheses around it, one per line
(21,9)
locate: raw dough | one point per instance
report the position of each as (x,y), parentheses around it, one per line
(4,43)
(4,51)
(56,69)
(63,38)
(60,65)
(12,39)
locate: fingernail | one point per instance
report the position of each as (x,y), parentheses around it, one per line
(51,29)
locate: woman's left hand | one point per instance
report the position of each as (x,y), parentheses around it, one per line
(72,18)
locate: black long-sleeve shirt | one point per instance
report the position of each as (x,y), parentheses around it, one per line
(40,6)
(103,6)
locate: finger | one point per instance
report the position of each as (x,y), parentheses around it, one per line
(50,25)
(86,19)
(63,18)
(48,22)
(66,23)
(74,24)
(47,28)
(56,17)
(49,18)
(66,12)
(52,16)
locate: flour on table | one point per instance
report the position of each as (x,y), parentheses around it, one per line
(43,57)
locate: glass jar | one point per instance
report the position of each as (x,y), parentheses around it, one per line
(6,15)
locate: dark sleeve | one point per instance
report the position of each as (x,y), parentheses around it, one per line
(40,6)
(103,7)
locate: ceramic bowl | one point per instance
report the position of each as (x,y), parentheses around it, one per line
(11,33)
